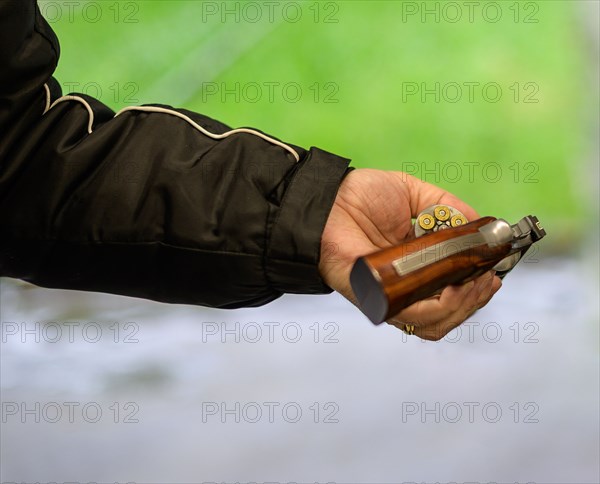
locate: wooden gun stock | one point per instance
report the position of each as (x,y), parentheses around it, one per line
(389,280)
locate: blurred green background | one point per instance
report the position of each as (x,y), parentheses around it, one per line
(340,75)
(362,55)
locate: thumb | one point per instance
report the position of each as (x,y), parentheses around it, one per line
(423,195)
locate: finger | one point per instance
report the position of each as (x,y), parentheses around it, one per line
(435,317)
(423,195)
(496,285)
(485,293)
(458,300)
(481,291)
(471,303)
(453,302)
(485,288)
(435,309)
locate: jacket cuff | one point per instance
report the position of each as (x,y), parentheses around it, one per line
(294,249)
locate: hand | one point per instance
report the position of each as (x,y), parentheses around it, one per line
(373,210)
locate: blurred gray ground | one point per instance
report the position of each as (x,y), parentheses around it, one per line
(541,372)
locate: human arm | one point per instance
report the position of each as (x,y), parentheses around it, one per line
(373,210)
(156,202)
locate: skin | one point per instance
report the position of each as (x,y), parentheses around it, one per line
(373,210)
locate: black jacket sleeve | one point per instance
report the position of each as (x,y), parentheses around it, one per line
(155,202)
